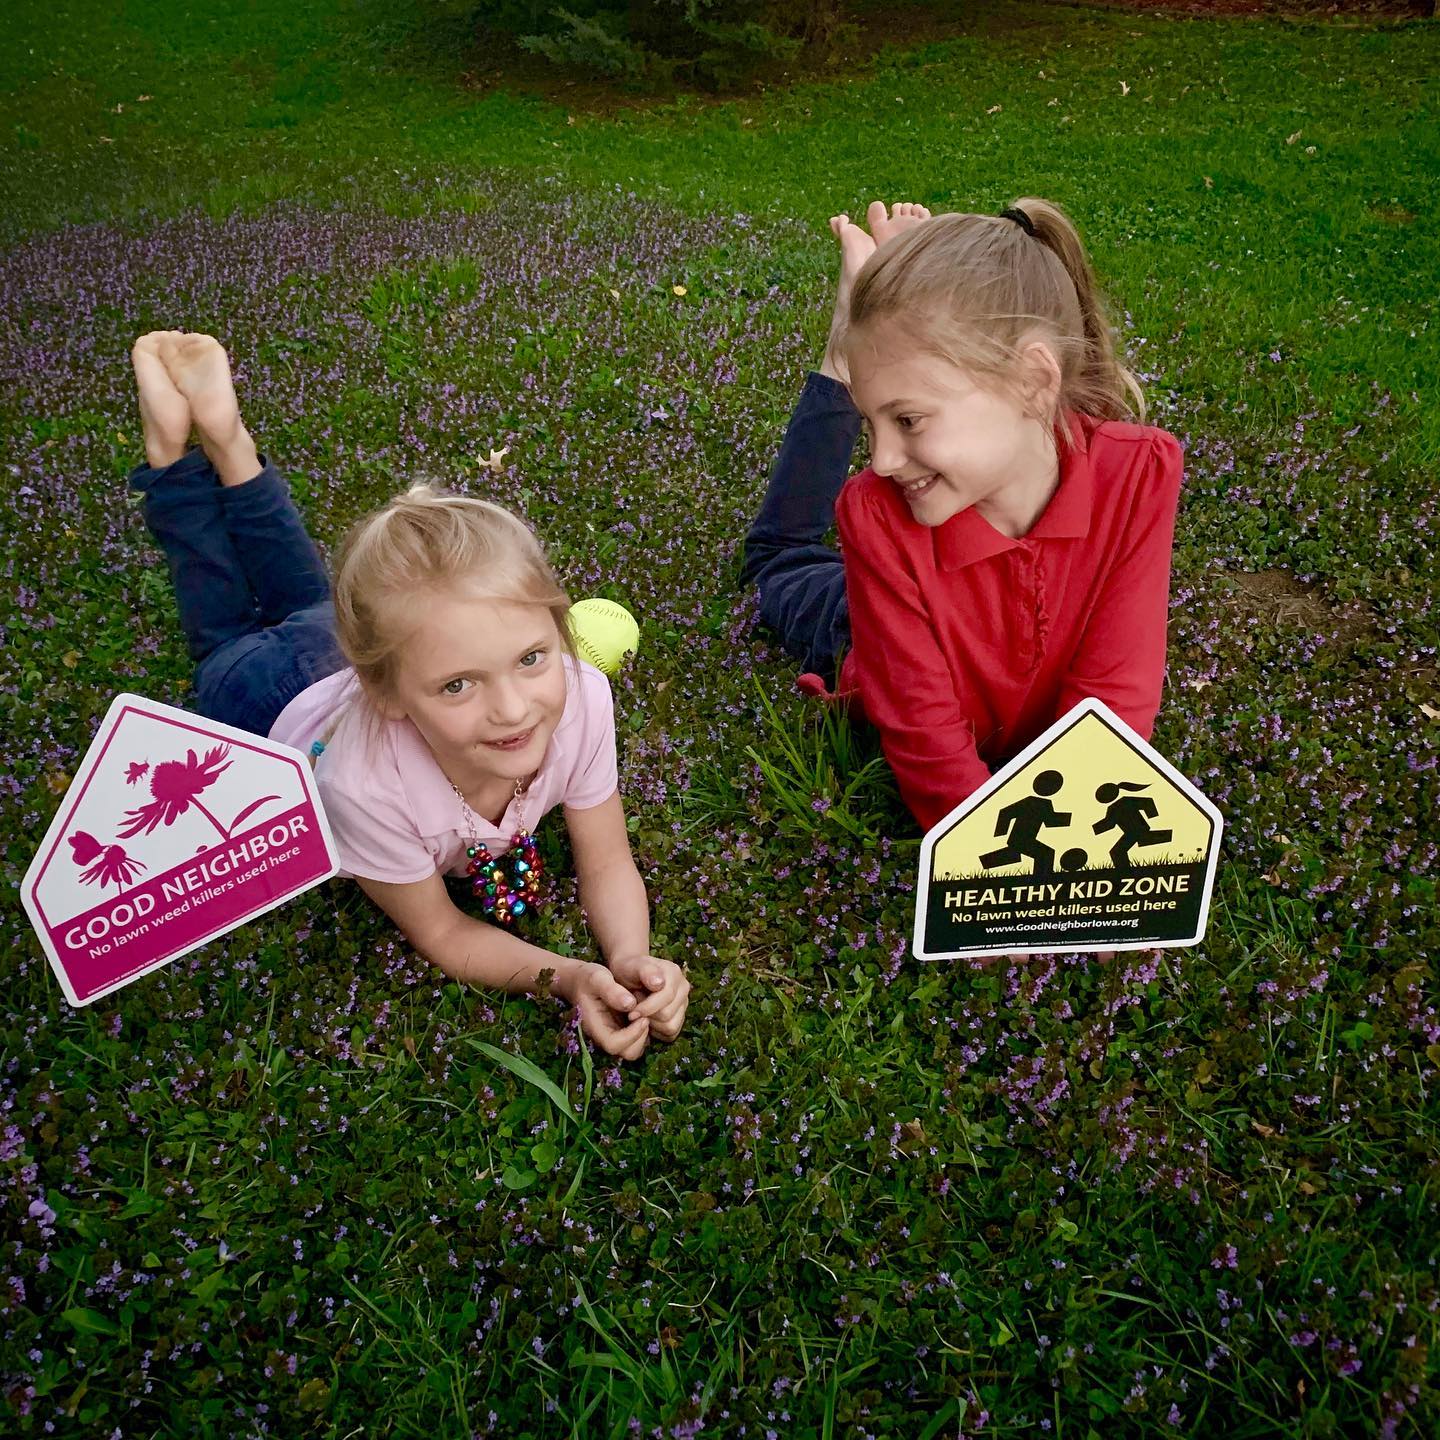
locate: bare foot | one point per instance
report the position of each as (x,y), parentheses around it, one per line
(201,371)
(904,216)
(164,411)
(856,247)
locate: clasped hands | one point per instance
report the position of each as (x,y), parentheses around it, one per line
(627,1003)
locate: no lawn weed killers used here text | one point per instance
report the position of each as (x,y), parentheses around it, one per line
(198,884)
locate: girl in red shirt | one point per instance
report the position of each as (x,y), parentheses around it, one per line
(1007,553)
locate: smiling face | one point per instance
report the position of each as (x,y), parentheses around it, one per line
(483,681)
(946,441)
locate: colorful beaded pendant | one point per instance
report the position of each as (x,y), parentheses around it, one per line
(511,885)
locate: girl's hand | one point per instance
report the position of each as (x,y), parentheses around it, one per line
(603,1004)
(669,992)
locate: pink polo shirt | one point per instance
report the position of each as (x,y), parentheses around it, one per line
(392,812)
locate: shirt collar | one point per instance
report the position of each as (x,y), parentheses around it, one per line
(967,538)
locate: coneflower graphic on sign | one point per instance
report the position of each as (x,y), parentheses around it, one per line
(174,830)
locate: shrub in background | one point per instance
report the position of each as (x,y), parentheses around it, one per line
(713,43)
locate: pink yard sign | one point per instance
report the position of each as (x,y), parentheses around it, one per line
(174,830)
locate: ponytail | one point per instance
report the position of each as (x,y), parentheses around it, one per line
(1103,385)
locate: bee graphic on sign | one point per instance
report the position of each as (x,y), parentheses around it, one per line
(1103,845)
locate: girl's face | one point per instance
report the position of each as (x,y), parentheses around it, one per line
(483,681)
(945,441)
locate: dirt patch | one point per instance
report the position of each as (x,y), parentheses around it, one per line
(1395,214)
(1278,598)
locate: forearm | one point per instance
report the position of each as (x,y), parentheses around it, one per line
(933,782)
(476,953)
(617,909)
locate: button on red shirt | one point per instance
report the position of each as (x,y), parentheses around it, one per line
(967,644)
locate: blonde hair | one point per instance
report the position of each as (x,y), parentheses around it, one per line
(972,289)
(391,563)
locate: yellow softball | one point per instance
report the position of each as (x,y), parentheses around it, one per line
(604,633)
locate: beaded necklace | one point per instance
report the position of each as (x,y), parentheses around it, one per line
(511,885)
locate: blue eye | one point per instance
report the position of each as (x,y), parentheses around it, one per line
(449,687)
(530,661)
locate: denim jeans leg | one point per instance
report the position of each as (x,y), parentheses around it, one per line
(802,581)
(182,510)
(248,682)
(805,605)
(281,562)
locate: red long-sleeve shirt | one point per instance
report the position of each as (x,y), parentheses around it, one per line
(967,644)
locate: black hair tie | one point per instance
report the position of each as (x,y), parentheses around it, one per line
(1020,218)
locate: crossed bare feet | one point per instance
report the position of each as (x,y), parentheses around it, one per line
(184,380)
(856,246)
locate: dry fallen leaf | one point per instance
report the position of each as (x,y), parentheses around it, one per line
(1429,711)
(1291,139)
(994,109)
(615,293)
(1209,183)
(1124,88)
(496,462)
(1267,1132)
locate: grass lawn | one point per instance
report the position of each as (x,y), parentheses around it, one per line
(294,1185)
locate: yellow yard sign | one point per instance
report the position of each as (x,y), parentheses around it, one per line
(1087,840)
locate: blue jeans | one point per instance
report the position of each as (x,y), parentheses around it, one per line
(251,587)
(801,580)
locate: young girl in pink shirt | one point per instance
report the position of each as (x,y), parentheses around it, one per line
(437,690)
(1007,552)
